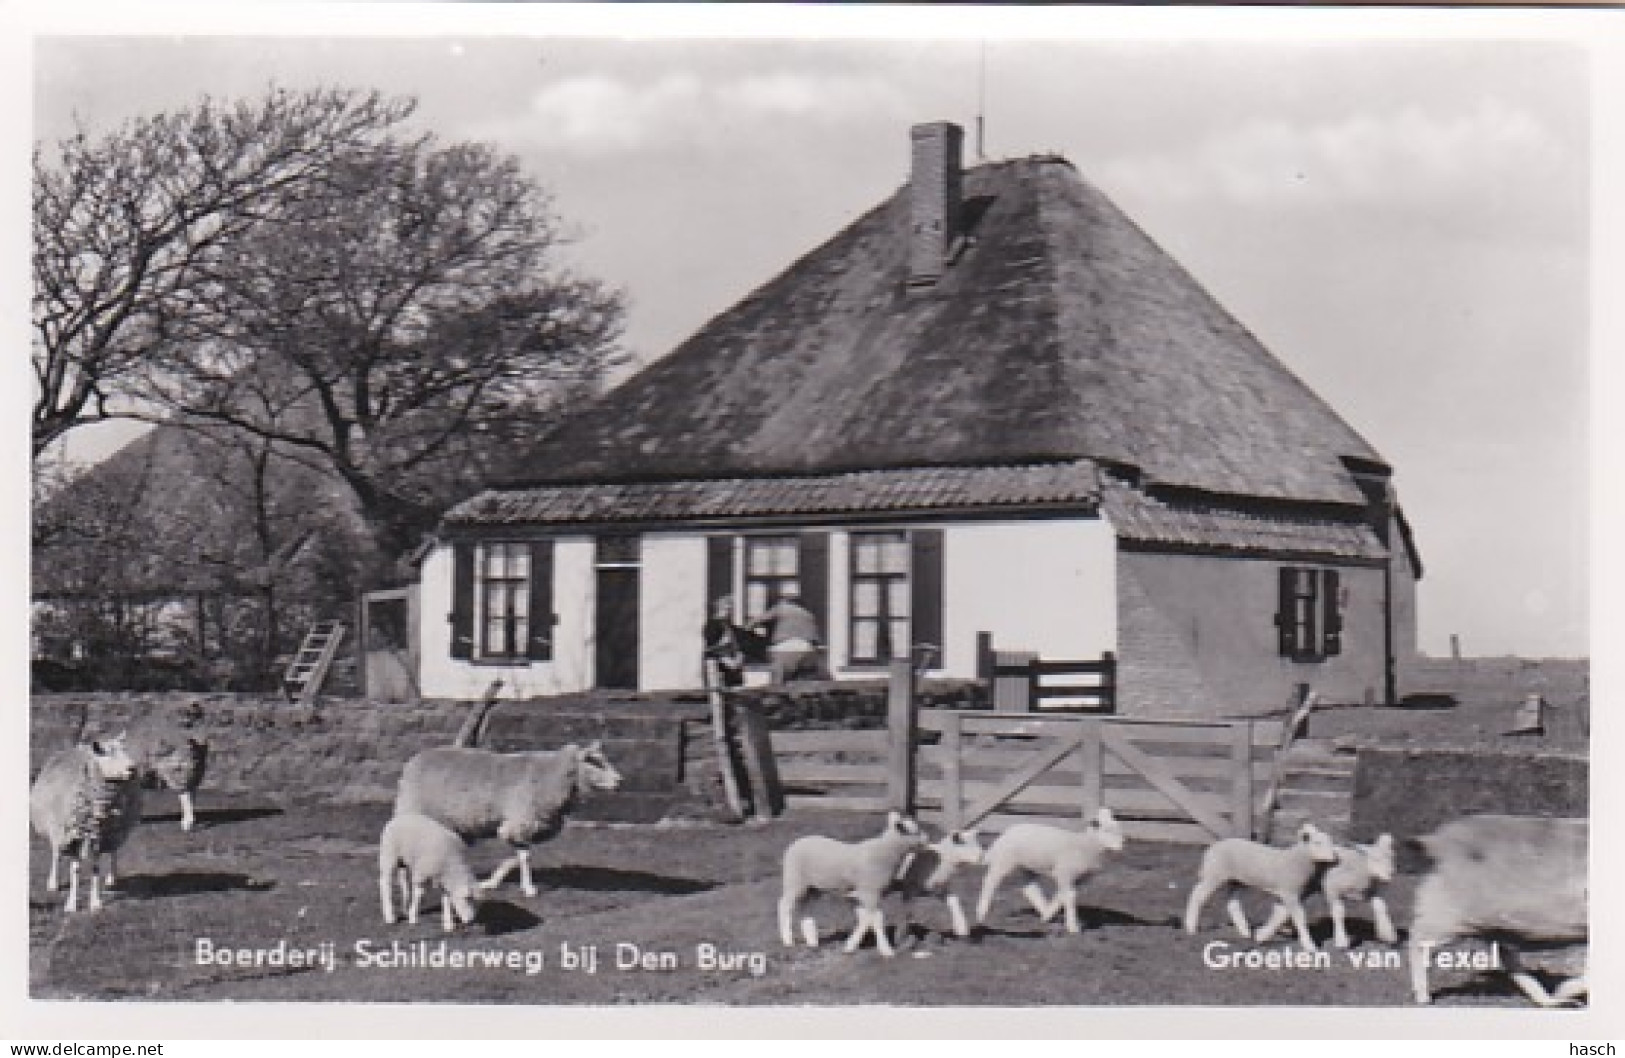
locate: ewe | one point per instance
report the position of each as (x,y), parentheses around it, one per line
(521,798)
(84,803)
(1507,878)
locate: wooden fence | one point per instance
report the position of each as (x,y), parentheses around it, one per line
(1169,780)
(1021,681)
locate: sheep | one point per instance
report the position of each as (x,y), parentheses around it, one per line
(1285,873)
(1361,871)
(1506,878)
(864,870)
(85,802)
(930,871)
(418,851)
(1068,856)
(167,757)
(519,797)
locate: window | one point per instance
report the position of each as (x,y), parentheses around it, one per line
(502,598)
(881,600)
(772,571)
(1310,613)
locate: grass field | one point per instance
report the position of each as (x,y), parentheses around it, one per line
(256,875)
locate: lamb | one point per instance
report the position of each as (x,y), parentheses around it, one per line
(521,798)
(1068,856)
(418,851)
(1285,873)
(1507,878)
(1360,872)
(85,802)
(167,757)
(863,869)
(930,871)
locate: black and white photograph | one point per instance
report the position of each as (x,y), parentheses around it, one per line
(909,510)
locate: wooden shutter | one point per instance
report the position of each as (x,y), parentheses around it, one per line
(462,600)
(1284,611)
(542,618)
(719,570)
(1332,614)
(925,582)
(814,575)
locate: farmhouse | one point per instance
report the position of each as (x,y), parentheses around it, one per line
(989,404)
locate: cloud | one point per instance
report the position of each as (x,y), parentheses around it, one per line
(1493,157)
(598,115)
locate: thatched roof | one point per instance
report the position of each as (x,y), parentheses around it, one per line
(1061,332)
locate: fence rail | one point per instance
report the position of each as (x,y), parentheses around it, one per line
(1022,682)
(1166,780)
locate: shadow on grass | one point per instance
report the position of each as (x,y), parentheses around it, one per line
(213,817)
(614,879)
(498,917)
(191,883)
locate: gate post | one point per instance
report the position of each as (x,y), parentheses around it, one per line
(1242,823)
(902,723)
(1092,758)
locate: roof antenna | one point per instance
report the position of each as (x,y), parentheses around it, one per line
(981,104)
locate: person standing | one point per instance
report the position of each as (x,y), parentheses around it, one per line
(723,643)
(794,642)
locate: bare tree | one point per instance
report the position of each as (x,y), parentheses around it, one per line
(127,224)
(405,324)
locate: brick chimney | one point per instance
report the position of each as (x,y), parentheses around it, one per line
(933,199)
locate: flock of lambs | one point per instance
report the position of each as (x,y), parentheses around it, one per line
(1507,879)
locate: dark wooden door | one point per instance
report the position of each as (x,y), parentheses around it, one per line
(617,653)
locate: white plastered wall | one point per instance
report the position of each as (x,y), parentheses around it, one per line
(443,676)
(1043,585)
(671,611)
(1048,586)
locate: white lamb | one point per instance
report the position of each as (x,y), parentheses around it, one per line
(1068,856)
(930,872)
(1286,874)
(1360,873)
(1512,879)
(521,798)
(418,852)
(863,870)
(85,802)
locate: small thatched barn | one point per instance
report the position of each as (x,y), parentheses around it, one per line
(989,404)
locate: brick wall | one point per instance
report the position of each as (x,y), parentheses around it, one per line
(1197,636)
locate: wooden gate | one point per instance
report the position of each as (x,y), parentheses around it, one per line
(1177,780)
(1165,780)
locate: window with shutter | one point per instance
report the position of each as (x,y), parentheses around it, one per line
(502,598)
(1309,613)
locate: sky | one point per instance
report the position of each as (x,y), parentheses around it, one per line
(1404,220)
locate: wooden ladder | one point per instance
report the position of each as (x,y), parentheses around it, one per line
(305,675)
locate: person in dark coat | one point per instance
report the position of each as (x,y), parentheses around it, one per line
(724,643)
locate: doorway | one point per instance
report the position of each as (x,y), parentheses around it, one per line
(616,656)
